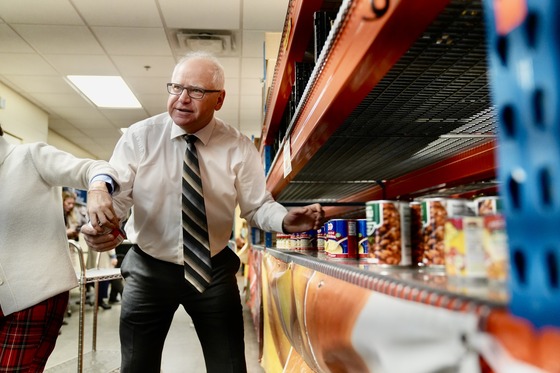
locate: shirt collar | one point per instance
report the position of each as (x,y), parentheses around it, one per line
(203,135)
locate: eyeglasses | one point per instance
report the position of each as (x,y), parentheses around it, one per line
(193,92)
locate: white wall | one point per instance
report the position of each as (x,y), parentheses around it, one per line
(21,118)
(24,120)
(61,143)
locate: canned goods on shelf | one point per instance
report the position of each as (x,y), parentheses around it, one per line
(341,239)
(388,230)
(435,212)
(495,244)
(464,253)
(308,240)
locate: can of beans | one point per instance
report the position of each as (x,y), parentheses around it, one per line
(363,245)
(341,239)
(388,229)
(435,212)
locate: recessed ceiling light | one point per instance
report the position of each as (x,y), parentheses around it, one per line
(105,91)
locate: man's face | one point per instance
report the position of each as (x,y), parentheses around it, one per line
(188,113)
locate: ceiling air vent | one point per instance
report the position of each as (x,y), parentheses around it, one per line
(218,44)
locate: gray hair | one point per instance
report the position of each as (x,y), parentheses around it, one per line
(218,70)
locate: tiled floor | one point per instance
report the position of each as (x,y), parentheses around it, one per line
(181,354)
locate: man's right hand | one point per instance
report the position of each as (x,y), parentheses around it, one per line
(99,241)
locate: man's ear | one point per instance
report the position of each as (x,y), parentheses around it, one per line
(220,102)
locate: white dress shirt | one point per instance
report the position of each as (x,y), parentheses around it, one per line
(149,160)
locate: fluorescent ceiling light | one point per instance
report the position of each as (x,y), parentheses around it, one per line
(105,91)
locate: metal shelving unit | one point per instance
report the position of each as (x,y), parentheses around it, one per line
(389,114)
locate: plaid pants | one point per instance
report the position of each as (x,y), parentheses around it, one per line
(28,337)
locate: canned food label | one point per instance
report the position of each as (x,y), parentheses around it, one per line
(341,239)
(388,227)
(464,253)
(363,246)
(435,212)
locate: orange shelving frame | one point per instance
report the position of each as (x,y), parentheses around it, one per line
(363,52)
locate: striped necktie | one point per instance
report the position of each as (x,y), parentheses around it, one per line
(196,248)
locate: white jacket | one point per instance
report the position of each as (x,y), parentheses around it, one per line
(34,256)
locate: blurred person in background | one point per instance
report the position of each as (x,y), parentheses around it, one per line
(36,273)
(70,219)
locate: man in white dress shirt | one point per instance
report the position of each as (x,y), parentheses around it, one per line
(149,160)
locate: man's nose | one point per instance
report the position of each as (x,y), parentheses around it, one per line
(184,96)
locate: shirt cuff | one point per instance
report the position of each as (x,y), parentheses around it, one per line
(107,179)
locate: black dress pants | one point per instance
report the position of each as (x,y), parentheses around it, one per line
(153,292)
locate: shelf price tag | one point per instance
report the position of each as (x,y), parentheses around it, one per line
(287,158)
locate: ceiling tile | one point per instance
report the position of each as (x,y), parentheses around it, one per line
(12,42)
(41,84)
(135,66)
(133,41)
(148,85)
(207,15)
(264,15)
(59,100)
(52,12)
(60,39)
(59,125)
(120,14)
(153,104)
(81,116)
(24,64)
(78,64)
(122,117)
